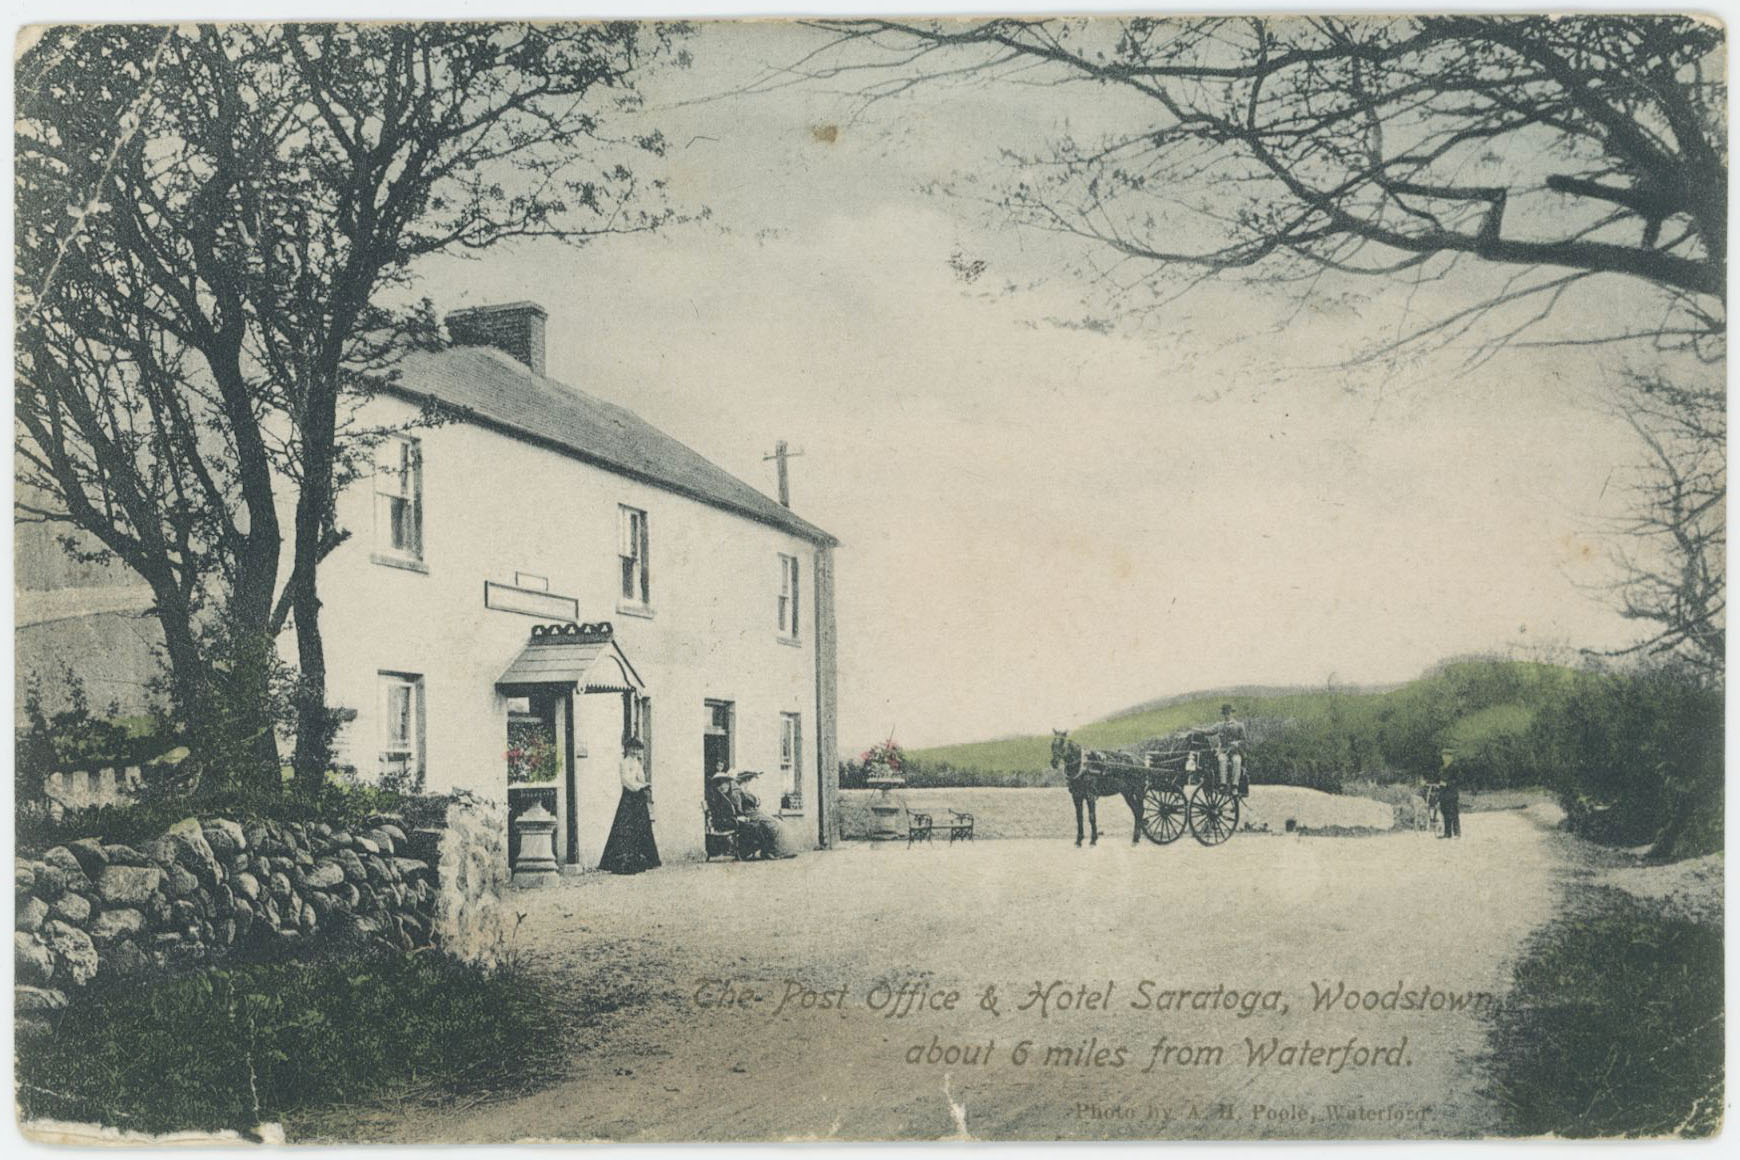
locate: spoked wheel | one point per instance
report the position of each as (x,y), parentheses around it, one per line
(1163,810)
(1214,814)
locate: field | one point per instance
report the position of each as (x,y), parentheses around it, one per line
(1034,752)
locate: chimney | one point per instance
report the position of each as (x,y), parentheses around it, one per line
(514,327)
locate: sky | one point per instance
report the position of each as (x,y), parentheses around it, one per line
(1043,521)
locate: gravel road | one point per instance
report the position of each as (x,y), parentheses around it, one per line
(880,937)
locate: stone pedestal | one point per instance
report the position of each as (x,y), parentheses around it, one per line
(537,861)
(886,811)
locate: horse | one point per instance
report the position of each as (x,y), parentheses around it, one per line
(1089,784)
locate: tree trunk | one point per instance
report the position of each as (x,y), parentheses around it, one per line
(224,700)
(314,723)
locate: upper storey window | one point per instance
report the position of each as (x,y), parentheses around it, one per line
(632,555)
(399,498)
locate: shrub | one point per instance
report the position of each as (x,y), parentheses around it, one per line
(1635,757)
(942,775)
(1613,1027)
(72,739)
(230,716)
(236,1048)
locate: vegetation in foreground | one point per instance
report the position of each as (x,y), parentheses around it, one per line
(238,1047)
(1613,1026)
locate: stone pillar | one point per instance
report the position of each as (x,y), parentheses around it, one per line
(536,865)
(886,810)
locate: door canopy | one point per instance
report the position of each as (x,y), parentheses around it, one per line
(583,656)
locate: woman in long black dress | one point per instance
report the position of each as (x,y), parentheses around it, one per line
(630,847)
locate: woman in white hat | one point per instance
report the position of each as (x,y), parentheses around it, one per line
(758,835)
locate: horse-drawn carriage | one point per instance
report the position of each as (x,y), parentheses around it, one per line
(1171,790)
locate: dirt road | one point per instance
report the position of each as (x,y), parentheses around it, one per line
(1139,938)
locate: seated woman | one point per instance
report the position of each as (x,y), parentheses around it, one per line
(758,834)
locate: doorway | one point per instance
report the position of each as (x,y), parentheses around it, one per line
(716,741)
(540,763)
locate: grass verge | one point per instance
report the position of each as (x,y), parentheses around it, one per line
(238,1047)
(1614,1025)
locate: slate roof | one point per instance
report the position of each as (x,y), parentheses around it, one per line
(492,389)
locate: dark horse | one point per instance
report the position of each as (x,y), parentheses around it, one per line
(1090,780)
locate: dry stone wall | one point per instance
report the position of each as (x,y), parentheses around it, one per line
(217,888)
(470,920)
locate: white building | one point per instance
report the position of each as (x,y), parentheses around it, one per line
(547,573)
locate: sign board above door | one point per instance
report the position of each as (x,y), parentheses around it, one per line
(529,602)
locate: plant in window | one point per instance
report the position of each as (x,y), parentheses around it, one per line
(531,753)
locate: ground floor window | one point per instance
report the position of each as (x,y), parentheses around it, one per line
(402,715)
(791,761)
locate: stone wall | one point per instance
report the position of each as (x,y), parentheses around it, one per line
(215,888)
(469,915)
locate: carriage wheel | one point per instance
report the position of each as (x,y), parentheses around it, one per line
(1214,814)
(1163,810)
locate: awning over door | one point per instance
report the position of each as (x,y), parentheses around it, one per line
(585,656)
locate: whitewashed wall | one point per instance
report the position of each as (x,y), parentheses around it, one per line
(493,505)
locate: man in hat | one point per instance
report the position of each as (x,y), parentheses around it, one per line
(1229,747)
(1450,797)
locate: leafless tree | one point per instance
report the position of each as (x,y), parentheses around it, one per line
(1303,150)
(209,218)
(1672,542)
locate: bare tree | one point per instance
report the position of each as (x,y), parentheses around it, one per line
(209,218)
(1297,149)
(1673,547)
(1310,152)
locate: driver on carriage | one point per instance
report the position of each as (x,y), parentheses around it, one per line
(1228,740)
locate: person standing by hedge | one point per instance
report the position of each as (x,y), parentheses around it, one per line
(1450,798)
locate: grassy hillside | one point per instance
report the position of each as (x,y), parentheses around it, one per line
(1021,754)
(1479,706)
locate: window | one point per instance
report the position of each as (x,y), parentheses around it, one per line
(788,597)
(791,761)
(401,760)
(632,554)
(399,498)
